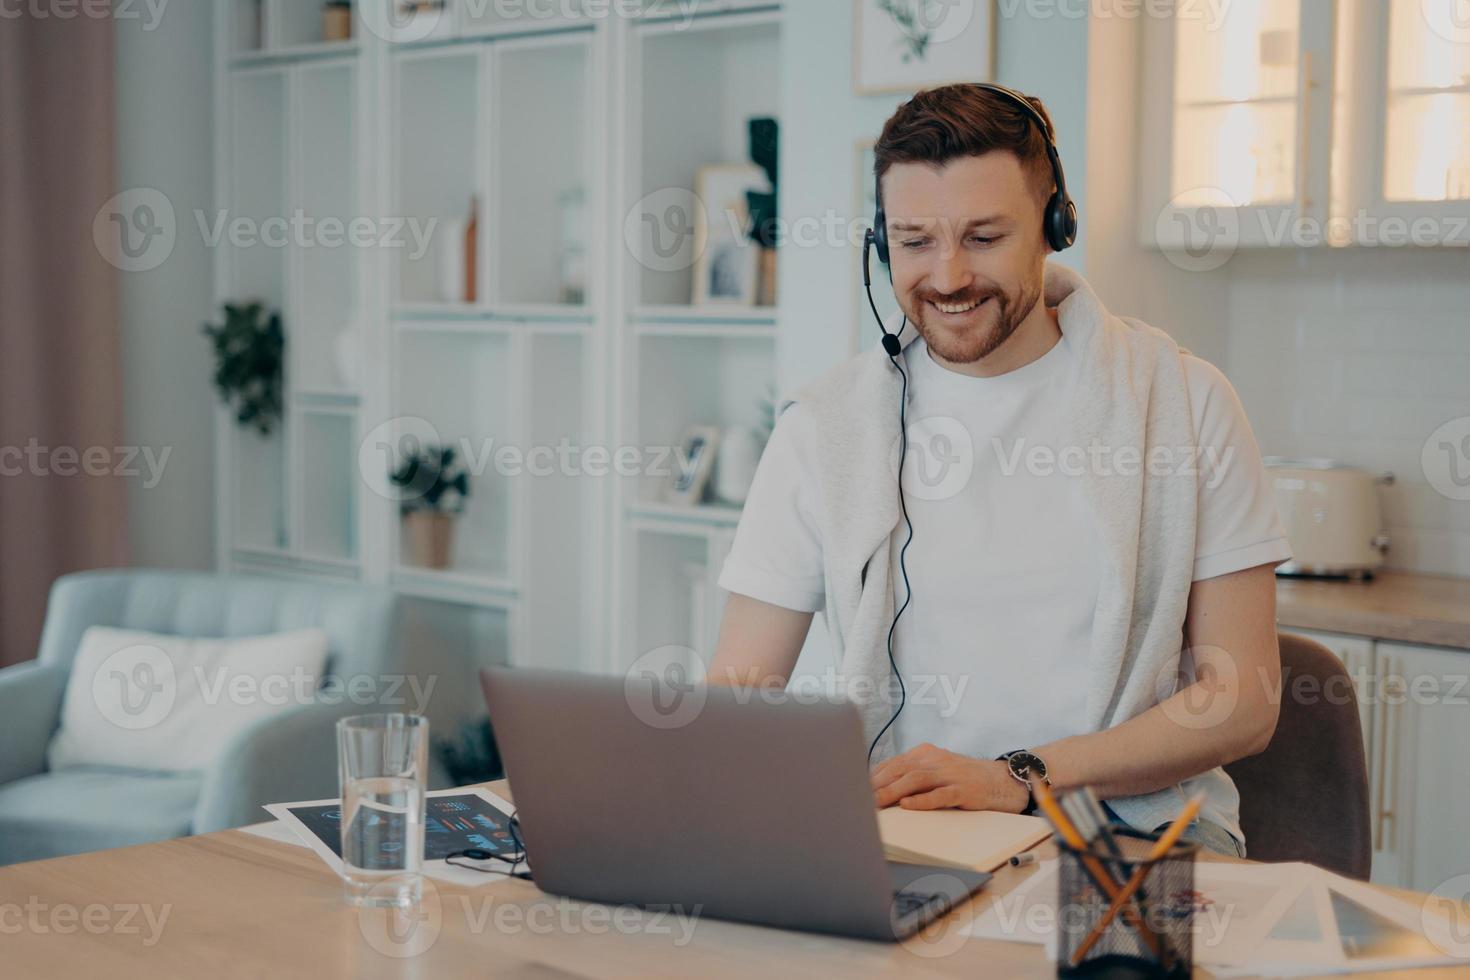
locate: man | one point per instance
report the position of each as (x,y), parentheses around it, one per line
(1089,573)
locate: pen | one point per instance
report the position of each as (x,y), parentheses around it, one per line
(1021,860)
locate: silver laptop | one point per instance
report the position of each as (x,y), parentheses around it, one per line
(632,792)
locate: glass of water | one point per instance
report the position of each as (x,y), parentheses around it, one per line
(382,764)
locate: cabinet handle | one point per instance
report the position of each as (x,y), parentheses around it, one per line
(1391,713)
(1381,737)
(1304,127)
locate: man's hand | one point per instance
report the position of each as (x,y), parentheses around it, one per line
(930,778)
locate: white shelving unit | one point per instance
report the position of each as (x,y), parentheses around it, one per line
(555,128)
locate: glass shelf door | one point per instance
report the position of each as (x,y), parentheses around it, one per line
(1245,116)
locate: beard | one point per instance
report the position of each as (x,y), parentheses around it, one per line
(989,326)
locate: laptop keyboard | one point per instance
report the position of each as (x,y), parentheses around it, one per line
(907,902)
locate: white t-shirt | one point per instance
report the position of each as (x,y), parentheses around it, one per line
(1004,561)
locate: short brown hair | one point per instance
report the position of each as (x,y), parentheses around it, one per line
(941,124)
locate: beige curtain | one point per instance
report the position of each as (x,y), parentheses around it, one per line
(60,377)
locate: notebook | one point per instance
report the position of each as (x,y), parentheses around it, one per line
(978,839)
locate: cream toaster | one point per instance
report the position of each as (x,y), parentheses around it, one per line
(1332,515)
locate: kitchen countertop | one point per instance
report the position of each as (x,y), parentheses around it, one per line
(1391,606)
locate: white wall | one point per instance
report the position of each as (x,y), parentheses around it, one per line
(1359,355)
(164,135)
(1130,279)
(822,304)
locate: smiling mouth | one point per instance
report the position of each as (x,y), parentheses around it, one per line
(957,311)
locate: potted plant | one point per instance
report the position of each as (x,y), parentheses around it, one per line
(337,20)
(434,487)
(764,222)
(249,349)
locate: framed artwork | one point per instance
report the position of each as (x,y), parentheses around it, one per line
(692,466)
(908,45)
(865,331)
(727,262)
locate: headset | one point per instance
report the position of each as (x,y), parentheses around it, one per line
(1059,225)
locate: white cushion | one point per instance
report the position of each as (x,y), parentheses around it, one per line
(153,701)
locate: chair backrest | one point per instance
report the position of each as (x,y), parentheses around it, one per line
(1305,798)
(359,620)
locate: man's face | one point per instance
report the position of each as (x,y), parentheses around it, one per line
(966,250)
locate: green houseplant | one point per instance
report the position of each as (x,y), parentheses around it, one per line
(434,486)
(249,350)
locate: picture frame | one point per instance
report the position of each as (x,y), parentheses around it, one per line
(902,46)
(727,262)
(865,202)
(692,465)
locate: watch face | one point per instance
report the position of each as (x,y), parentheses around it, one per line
(1025,764)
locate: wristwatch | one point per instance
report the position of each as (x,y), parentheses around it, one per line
(1024,766)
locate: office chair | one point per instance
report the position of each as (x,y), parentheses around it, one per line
(1305,798)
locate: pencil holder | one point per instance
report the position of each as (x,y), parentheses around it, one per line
(1140,923)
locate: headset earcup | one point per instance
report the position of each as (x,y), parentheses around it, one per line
(1060,222)
(880,236)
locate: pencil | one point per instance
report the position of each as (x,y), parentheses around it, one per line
(1160,848)
(1095,870)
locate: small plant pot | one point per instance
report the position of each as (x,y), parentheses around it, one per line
(336,22)
(430,537)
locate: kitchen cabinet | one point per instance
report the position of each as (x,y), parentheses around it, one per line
(1414,704)
(1238,118)
(1406,147)
(1424,788)
(1306,122)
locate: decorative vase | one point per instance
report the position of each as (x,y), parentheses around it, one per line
(336,22)
(766,295)
(430,535)
(735,463)
(471,252)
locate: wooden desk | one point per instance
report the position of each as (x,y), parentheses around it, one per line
(238,905)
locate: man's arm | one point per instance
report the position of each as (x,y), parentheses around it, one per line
(759,643)
(1229,712)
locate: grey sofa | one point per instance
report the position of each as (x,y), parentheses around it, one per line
(289,757)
